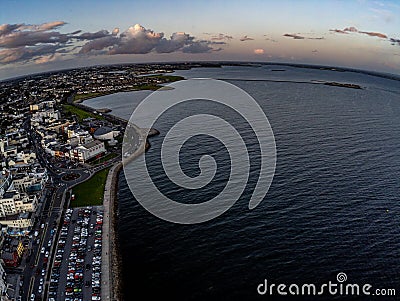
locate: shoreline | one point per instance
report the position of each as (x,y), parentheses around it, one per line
(111,266)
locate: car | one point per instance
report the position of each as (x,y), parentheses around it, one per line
(40,289)
(43,272)
(49,243)
(32,297)
(47,254)
(42,250)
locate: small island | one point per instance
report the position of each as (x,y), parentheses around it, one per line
(336,84)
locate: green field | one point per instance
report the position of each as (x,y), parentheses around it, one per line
(167,78)
(91,192)
(81,114)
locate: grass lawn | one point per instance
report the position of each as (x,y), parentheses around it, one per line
(91,192)
(167,78)
(81,114)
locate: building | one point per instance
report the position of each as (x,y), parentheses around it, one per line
(3,283)
(85,152)
(12,252)
(105,133)
(18,224)
(14,202)
(6,182)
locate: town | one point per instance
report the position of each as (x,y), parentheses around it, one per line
(55,154)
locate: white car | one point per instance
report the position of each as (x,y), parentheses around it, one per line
(42,250)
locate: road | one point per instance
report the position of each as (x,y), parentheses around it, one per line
(49,214)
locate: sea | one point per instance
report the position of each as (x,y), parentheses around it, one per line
(333,206)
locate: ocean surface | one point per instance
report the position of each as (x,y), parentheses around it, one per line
(333,205)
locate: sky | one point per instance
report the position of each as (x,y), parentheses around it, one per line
(37,36)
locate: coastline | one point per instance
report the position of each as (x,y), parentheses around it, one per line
(111,268)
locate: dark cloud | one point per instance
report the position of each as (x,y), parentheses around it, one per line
(300,37)
(93,35)
(76,32)
(246,38)
(338,31)
(395,41)
(31,38)
(294,36)
(9,55)
(8,28)
(176,42)
(99,44)
(197,47)
(23,42)
(375,34)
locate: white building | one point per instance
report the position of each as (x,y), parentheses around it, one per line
(14,202)
(87,151)
(105,133)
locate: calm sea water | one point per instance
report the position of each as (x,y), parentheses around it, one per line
(333,205)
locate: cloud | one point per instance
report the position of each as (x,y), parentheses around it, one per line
(43,43)
(115,31)
(269,39)
(136,39)
(93,35)
(259,51)
(10,55)
(23,42)
(294,36)
(198,47)
(351,29)
(176,42)
(43,26)
(394,41)
(98,44)
(139,40)
(221,37)
(338,31)
(300,37)
(246,38)
(8,28)
(29,38)
(355,30)
(375,34)
(48,58)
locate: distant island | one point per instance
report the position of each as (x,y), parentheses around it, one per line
(336,84)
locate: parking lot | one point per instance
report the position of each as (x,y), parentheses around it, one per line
(76,273)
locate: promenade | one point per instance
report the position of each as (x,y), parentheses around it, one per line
(110,281)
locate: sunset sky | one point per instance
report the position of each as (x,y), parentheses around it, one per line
(38,36)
